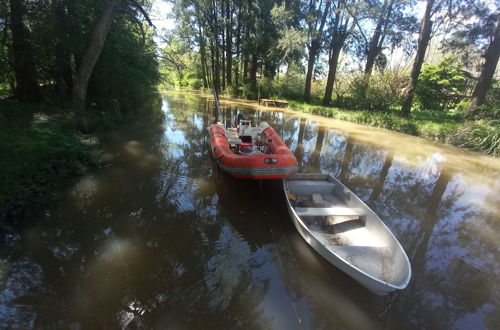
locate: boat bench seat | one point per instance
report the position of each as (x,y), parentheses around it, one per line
(329,211)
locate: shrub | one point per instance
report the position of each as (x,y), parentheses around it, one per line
(376,93)
(484,137)
(439,84)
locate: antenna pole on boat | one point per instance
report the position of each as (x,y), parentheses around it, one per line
(216,104)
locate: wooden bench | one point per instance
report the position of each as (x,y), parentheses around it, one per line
(274,103)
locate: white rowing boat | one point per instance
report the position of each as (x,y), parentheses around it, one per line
(346,232)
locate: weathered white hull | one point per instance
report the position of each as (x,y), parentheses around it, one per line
(377,261)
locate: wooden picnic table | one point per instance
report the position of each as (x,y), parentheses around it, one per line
(274,103)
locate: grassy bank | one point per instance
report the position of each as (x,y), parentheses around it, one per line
(440,126)
(41,150)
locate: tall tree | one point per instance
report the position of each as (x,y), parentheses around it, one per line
(96,45)
(62,68)
(344,23)
(392,24)
(315,20)
(489,66)
(423,42)
(229,42)
(91,54)
(27,87)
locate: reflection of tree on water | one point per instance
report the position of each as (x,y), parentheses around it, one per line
(313,164)
(408,200)
(443,232)
(121,254)
(379,185)
(299,152)
(344,169)
(148,242)
(430,217)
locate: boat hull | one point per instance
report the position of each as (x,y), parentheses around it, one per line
(372,282)
(277,164)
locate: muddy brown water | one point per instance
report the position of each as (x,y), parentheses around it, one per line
(159,238)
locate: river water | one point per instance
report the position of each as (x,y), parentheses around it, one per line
(159,238)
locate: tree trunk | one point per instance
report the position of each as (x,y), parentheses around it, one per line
(216,65)
(253,76)
(216,73)
(223,48)
(91,54)
(374,49)
(378,37)
(245,55)
(238,61)
(229,45)
(487,72)
(333,61)
(423,41)
(202,57)
(212,65)
(27,88)
(63,69)
(313,52)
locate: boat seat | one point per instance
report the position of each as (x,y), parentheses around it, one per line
(329,211)
(231,133)
(317,200)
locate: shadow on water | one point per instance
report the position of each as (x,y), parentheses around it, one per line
(157,238)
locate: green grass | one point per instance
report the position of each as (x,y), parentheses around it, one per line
(41,152)
(441,126)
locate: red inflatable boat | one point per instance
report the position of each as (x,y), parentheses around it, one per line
(248,152)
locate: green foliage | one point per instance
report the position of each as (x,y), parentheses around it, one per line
(58,32)
(43,153)
(438,84)
(376,93)
(291,40)
(471,36)
(180,66)
(126,70)
(480,136)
